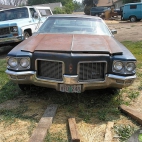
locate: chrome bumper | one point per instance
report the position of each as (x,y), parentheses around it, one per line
(10,40)
(29,77)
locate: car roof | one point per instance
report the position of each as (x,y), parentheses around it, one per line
(74,16)
(17,8)
(136,3)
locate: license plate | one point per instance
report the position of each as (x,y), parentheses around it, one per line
(70,88)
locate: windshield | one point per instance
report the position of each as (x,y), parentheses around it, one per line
(74,26)
(12,14)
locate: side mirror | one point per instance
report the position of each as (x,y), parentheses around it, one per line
(35,15)
(113,32)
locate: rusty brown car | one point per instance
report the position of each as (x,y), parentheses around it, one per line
(72,53)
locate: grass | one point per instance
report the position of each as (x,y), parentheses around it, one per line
(136,49)
(9,116)
(124,132)
(133,25)
(8,90)
(56,137)
(99,104)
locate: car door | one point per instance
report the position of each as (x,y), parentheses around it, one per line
(35,19)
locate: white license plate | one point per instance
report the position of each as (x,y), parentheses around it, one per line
(70,88)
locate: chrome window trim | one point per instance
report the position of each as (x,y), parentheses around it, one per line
(92,80)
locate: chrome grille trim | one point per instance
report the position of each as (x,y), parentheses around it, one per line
(4,31)
(49,69)
(92,71)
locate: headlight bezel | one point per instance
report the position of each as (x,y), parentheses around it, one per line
(14,29)
(9,62)
(27,59)
(133,68)
(18,67)
(124,70)
(118,62)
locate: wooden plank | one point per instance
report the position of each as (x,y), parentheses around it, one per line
(44,124)
(133,113)
(108,134)
(73,130)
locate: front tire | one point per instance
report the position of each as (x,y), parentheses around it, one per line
(26,35)
(24,87)
(133,19)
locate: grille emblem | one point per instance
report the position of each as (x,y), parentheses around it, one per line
(70,68)
(95,73)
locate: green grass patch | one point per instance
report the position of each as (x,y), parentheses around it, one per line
(136,49)
(124,132)
(56,137)
(8,90)
(9,116)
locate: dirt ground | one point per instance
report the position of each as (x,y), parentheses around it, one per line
(126,31)
(94,132)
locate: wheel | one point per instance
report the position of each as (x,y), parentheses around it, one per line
(26,35)
(24,87)
(14,44)
(133,19)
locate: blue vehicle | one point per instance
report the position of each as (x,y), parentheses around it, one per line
(97,11)
(17,24)
(132,12)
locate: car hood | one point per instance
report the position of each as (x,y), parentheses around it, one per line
(14,22)
(78,43)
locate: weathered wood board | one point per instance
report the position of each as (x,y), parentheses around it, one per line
(108,134)
(44,124)
(73,130)
(132,113)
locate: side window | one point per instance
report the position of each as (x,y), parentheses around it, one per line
(45,12)
(133,6)
(48,12)
(32,11)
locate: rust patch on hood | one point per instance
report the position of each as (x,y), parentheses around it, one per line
(71,43)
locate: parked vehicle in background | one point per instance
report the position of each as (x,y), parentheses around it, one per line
(117,11)
(17,24)
(121,11)
(132,12)
(97,11)
(72,53)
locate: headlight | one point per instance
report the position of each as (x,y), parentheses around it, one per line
(12,62)
(13,29)
(118,66)
(130,67)
(24,62)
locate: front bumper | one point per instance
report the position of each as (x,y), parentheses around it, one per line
(10,40)
(111,81)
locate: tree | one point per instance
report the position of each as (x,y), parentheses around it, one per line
(88,4)
(13,2)
(77,5)
(59,10)
(67,9)
(36,2)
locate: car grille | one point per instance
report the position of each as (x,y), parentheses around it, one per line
(51,70)
(92,71)
(4,31)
